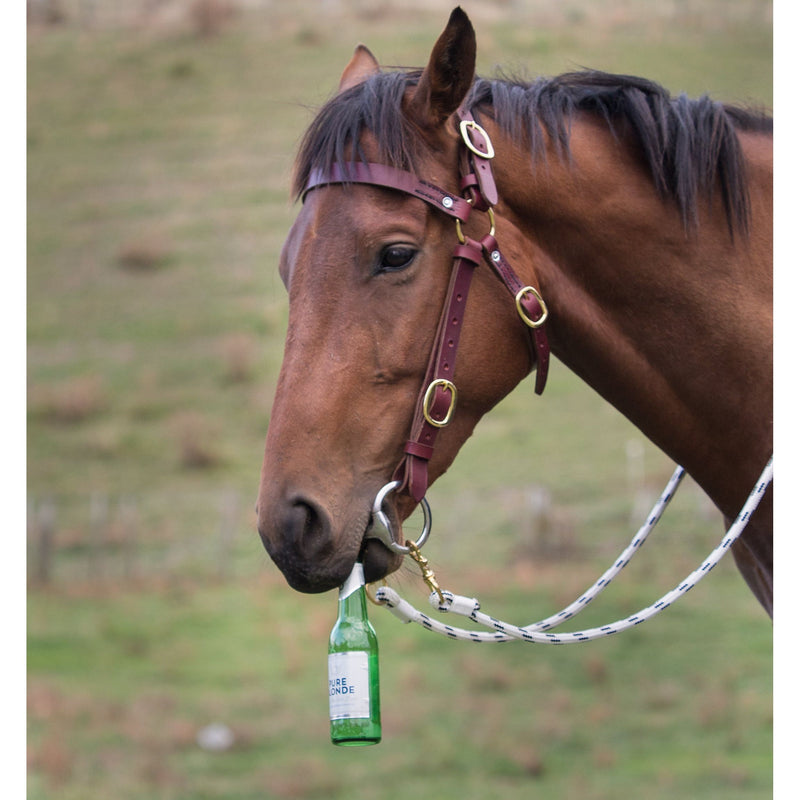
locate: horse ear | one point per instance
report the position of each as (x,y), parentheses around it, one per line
(444,83)
(361,66)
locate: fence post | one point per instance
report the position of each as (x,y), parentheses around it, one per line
(46,519)
(128,520)
(641,498)
(539,533)
(98,520)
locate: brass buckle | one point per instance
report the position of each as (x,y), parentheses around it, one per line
(531,323)
(469,124)
(448,386)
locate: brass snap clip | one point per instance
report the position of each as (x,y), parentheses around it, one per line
(427,572)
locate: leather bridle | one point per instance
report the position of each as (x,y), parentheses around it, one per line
(437,400)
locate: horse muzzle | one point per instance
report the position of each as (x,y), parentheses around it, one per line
(315,554)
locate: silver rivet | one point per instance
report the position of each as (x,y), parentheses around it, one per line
(447,202)
(495,255)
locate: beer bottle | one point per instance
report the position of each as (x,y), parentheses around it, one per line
(355,706)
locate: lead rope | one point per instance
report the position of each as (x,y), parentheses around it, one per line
(445,601)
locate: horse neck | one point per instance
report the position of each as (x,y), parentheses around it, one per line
(668,325)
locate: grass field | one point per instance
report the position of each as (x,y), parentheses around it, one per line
(158,171)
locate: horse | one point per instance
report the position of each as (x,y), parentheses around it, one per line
(629,234)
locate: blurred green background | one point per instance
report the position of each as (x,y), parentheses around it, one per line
(160,138)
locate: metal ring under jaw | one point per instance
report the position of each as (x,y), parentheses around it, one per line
(531,323)
(382,529)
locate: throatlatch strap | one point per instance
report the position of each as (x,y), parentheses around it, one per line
(529,302)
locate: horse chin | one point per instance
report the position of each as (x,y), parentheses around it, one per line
(313,556)
(378,560)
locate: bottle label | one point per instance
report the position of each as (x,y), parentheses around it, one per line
(348,685)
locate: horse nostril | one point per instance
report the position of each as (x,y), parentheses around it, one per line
(309,524)
(297,524)
(298,535)
(304,530)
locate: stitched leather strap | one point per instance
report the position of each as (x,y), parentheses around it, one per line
(476,164)
(529,301)
(391,178)
(412,471)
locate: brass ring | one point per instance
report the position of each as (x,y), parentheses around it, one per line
(460,232)
(490,212)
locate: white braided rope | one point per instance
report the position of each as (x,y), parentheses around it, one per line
(536,632)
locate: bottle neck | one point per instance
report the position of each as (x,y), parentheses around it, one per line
(352,597)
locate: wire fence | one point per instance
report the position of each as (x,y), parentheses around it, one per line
(123,539)
(98,538)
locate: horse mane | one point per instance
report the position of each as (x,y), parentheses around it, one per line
(689,145)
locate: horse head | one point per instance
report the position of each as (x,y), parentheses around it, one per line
(367,271)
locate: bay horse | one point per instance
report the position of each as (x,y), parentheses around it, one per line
(633,229)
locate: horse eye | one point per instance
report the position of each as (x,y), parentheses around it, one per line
(396,257)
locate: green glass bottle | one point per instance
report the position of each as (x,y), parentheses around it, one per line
(355,703)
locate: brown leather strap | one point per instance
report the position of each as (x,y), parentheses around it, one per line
(412,471)
(391,178)
(529,301)
(476,166)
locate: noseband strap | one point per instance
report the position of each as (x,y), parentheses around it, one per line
(437,400)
